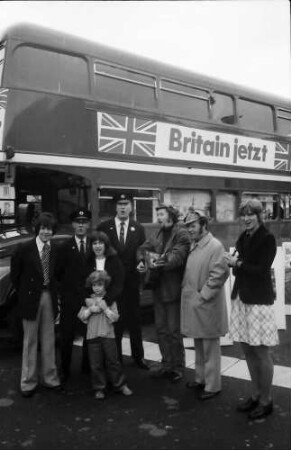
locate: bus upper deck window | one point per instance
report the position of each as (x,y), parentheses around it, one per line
(38,68)
(255,116)
(183,100)
(284,122)
(222,108)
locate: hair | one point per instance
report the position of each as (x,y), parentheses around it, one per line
(45,219)
(252,206)
(98,276)
(173,213)
(102,237)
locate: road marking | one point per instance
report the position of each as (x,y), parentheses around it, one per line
(230,367)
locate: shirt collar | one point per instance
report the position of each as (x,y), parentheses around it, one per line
(118,222)
(78,240)
(40,244)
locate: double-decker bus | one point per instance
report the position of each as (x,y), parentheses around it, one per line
(79,121)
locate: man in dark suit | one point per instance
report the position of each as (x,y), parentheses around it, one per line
(70,273)
(32,275)
(126,235)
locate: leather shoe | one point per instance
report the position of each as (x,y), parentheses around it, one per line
(28,394)
(194,385)
(261,411)
(160,374)
(176,376)
(247,405)
(142,364)
(205,395)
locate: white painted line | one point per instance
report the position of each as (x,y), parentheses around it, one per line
(230,367)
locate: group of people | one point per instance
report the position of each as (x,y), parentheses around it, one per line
(98,281)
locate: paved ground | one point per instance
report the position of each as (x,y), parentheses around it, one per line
(159,415)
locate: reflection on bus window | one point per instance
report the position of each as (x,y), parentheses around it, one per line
(284,122)
(255,116)
(39,68)
(223,108)
(184,199)
(285,206)
(225,206)
(144,203)
(269,202)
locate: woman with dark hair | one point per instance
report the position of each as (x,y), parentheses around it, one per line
(252,320)
(104,257)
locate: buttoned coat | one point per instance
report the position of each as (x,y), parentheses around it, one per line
(128,254)
(71,273)
(253,281)
(169,278)
(27,278)
(203,303)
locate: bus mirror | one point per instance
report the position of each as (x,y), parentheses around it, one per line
(9,152)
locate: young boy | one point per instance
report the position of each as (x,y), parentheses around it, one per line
(99,317)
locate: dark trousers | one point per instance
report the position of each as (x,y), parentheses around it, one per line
(69,324)
(104,362)
(167,322)
(129,310)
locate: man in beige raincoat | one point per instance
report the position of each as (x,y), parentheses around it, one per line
(203,304)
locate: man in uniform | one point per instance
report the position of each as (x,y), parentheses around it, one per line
(70,272)
(126,235)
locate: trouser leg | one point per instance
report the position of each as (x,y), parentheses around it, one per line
(29,377)
(47,340)
(96,358)
(199,361)
(112,363)
(134,327)
(163,334)
(177,351)
(118,330)
(212,364)
(67,334)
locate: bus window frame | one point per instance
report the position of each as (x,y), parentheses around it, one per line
(261,103)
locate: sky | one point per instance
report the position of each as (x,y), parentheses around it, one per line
(246,42)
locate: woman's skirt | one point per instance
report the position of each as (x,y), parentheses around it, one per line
(253,324)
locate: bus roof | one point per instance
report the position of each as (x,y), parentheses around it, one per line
(56,40)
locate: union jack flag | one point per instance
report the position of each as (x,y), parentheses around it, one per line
(126,135)
(282,156)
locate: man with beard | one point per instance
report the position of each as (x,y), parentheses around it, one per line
(171,245)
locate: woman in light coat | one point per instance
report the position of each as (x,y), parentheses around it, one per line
(203,305)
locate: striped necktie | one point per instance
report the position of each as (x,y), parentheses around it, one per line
(45,257)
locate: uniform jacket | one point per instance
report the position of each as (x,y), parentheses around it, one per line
(70,273)
(203,304)
(27,278)
(128,255)
(114,268)
(168,284)
(253,278)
